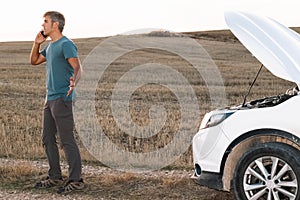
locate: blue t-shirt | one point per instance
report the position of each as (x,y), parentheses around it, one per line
(59,70)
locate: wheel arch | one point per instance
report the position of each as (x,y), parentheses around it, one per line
(241,144)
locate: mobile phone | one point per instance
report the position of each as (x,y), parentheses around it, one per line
(42,32)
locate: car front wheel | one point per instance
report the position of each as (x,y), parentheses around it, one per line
(268,171)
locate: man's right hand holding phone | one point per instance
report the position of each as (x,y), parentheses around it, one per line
(40,38)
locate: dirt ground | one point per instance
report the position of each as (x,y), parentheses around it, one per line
(104,183)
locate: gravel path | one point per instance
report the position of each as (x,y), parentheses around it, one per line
(106,183)
(17,195)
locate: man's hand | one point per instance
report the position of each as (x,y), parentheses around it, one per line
(72,85)
(39,39)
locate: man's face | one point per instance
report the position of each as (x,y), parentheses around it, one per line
(48,25)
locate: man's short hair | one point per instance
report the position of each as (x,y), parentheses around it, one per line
(56,17)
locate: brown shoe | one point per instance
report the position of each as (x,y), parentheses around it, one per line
(48,183)
(71,186)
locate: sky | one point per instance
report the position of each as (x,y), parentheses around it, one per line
(21,20)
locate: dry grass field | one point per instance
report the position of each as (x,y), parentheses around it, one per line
(22,92)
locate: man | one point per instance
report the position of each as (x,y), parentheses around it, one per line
(63,71)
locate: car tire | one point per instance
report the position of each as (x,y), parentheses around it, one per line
(268,171)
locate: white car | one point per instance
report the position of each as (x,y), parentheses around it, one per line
(254,148)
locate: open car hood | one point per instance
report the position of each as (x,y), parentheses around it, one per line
(274,45)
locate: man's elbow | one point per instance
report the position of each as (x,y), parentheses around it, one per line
(33,60)
(33,63)
(36,59)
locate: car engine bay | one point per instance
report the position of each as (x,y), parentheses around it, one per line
(271,101)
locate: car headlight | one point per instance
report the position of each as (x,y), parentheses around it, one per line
(216,119)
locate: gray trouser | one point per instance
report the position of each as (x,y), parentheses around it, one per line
(58,118)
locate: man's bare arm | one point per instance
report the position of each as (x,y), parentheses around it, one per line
(35,57)
(75,63)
